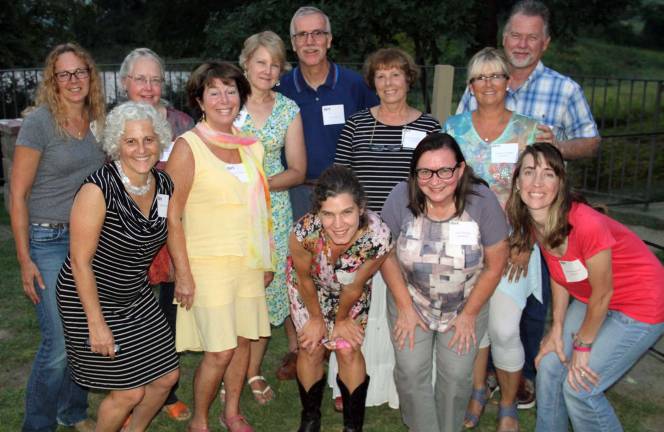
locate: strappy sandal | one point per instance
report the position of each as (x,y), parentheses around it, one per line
(470,420)
(508,411)
(235,424)
(177,411)
(263,397)
(222,395)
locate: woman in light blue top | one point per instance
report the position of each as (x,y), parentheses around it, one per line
(492,138)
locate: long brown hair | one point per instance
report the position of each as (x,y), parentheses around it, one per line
(556,227)
(48,94)
(437,141)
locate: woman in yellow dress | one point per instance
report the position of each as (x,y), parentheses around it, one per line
(220,241)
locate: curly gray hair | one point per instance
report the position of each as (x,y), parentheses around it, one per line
(115,126)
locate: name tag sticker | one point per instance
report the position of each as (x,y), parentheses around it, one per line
(162,205)
(504,153)
(241,118)
(167,152)
(464,233)
(238,171)
(574,271)
(410,138)
(345,277)
(333,114)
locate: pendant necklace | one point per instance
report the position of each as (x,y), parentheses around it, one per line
(135,190)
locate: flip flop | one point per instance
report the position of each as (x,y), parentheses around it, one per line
(177,411)
(263,397)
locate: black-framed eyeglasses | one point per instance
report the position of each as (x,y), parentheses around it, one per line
(317,35)
(80,73)
(443,173)
(143,80)
(494,78)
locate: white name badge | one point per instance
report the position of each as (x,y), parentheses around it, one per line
(410,138)
(574,271)
(333,114)
(162,205)
(241,118)
(463,233)
(504,153)
(344,277)
(167,152)
(238,171)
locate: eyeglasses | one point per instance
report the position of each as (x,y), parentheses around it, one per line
(444,173)
(143,81)
(64,76)
(486,78)
(316,35)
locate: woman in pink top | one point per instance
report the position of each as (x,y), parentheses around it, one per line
(616,283)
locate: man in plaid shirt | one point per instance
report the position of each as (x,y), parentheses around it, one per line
(536,91)
(560,106)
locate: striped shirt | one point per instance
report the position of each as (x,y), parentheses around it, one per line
(380,154)
(552,99)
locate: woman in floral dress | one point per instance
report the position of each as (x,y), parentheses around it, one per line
(275,121)
(334,251)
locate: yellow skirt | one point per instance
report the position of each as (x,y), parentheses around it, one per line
(229,301)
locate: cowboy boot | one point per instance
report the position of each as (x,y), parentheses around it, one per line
(354,405)
(311,400)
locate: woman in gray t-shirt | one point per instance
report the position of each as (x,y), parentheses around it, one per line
(450,254)
(56,150)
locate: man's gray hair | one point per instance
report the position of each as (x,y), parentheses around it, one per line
(309,10)
(530,8)
(117,118)
(128,62)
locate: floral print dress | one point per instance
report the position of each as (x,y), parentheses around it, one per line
(272,135)
(330,277)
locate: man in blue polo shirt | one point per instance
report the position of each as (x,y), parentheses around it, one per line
(559,104)
(326,93)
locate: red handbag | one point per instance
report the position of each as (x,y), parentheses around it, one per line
(161,269)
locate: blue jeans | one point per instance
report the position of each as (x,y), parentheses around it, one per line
(533,321)
(620,342)
(51,396)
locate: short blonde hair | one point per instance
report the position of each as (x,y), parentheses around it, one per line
(271,42)
(118,117)
(488,56)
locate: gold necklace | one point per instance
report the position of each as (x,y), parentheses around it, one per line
(77,130)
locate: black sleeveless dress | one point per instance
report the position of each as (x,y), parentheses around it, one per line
(127,244)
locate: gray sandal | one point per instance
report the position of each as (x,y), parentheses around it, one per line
(470,421)
(508,411)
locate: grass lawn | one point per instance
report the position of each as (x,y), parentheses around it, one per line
(19,337)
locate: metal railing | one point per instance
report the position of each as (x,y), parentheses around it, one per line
(628,168)
(628,112)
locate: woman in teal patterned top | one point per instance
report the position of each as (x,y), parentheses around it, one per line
(275,121)
(492,138)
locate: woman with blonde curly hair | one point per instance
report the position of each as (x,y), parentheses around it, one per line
(56,150)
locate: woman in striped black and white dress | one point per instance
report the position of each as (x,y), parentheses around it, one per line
(378,143)
(116,336)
